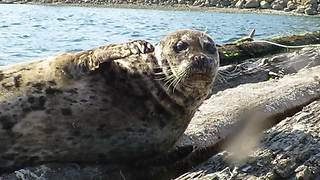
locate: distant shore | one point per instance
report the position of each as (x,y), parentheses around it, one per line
(189,5)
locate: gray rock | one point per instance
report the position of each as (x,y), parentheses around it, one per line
(240,4)
(252,4)
(300,9)
(9,1)
(310,11)
(207,3)
(213,2)
(282,2)
(47,1)
(318,9)
(286,10)
(277,6)
(197,3)
(225,3)
(310,2)
(265,5)
(291,6)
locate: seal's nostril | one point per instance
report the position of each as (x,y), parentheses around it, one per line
(199,58)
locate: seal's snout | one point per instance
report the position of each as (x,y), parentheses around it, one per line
(199,58)
(201,64)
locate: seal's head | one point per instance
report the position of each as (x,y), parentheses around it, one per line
(188,58)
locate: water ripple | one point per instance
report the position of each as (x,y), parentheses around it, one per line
(32,32)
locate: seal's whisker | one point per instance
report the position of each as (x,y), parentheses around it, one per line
(176,82)
(174,70)
(159,79)
(223,72)
(221,78)
(173,83)
(168,83)
(163,73)
(168,80)
(172,80)
(159,73)
(179,80)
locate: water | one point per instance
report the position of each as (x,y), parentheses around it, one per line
(30,32)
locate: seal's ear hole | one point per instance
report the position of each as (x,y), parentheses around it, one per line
(180,46)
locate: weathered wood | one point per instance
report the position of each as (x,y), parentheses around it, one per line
(219,113)
(289,150)
(239,52)
(266,68)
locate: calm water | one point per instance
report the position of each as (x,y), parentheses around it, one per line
(32,32)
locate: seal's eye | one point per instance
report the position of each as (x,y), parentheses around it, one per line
(180,46)
(210,48)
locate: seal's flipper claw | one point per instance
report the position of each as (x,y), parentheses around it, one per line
(139,46)
(150,48)
(85,62)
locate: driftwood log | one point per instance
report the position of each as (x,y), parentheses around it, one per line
(263,69)
(292,82)
(236,53)
(276,96)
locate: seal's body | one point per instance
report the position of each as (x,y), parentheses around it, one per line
(112,104)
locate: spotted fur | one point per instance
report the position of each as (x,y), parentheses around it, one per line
(103,105)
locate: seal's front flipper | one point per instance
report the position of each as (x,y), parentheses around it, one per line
(85,62)
(114,52)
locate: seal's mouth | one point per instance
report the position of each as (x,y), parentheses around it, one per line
(201,67)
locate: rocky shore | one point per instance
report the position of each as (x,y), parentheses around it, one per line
(297,7)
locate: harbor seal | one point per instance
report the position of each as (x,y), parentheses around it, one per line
(114,104)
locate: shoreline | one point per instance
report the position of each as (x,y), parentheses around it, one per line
(175,7)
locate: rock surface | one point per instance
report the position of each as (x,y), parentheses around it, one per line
(252,4)
(240,4)
(289,150)
(277,6)
(310,11)
(264,5)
